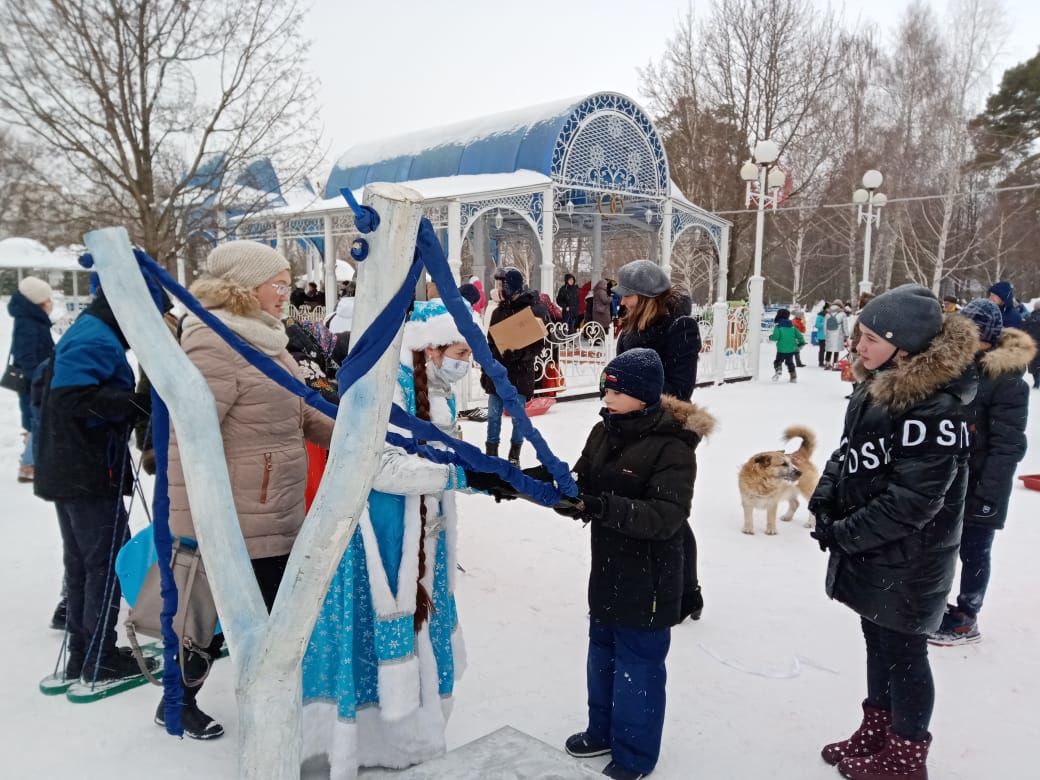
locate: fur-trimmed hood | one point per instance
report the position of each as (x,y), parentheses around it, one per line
(912,380)
(690,416)
(219,293)
(1012,355)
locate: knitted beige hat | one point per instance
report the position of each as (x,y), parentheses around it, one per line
(35,289)
(246,263)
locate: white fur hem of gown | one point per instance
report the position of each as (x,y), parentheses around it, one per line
(373,741)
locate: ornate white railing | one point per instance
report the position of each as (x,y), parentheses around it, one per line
(579,358)
(307,313)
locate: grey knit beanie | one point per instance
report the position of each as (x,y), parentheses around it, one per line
(246,263)
(642,277)
(35,289)
(908,317)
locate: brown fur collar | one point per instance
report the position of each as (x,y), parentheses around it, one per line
(690,416)
(217,293)
(1012,355)
(912,380)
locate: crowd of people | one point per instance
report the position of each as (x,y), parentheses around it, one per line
(921,477)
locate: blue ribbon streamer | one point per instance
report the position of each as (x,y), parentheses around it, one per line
(173,691)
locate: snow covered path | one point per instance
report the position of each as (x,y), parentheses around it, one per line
(772,672)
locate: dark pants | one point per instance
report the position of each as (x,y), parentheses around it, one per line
(269,572)
(823,353)
(798,359)
(976,545)
(784,358)
(899,678)
(626,677)
(572,318)
(92,531)
(1036,378)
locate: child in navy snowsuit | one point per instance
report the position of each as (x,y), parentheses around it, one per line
(636,477)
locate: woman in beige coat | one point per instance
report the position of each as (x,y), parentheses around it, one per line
(263,425)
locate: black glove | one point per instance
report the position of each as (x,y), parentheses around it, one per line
(541,473)
(823,533)
(819,506)
(586,507)
(981,509)
(142,404)
(492,484)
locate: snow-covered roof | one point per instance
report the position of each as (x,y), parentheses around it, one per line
(17,252)
(499,143)
(440,188)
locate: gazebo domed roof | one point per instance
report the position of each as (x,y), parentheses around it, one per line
(602,140)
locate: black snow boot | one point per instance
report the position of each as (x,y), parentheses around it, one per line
(120,665)
(618,772)
(491,449)
(197,724)
(514,453)
(581,745)
(58,618)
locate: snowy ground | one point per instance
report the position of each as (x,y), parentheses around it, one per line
(772,672)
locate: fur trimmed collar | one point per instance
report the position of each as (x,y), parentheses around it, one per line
(912,380)
(238,308)
(690,416)
(1012,355)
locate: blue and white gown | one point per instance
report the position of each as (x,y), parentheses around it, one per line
(375,693)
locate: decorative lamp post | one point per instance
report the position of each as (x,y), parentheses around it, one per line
(873,200)
(763,172)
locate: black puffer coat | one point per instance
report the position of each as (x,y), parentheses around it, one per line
(676,339)
(895,487)
(567,298)
(644,466)
(1032,327)
(518,362)
(999,414)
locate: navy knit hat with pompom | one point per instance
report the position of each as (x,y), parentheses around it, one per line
(637,372)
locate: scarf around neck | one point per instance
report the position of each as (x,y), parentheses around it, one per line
(260,329)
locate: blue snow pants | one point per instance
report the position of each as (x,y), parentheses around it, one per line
(626,678)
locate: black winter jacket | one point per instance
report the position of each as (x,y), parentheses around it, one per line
(895,487)
(1032,327)
(31,339)
(644,466)
(87,412)
(567,299)
(518,362)
(676,339)
(999,416)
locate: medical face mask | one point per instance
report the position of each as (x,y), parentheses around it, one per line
(452,370)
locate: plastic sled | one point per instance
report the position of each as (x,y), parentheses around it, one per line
(537,406)
(1031,481)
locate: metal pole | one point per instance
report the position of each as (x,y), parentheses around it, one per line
(756,283)
(331,286)
(865,285)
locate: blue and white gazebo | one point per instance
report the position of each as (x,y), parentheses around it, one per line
(583,166)
(576,165)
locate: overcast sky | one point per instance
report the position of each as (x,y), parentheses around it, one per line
(393,66)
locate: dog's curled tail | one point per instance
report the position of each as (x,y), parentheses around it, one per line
(808,438)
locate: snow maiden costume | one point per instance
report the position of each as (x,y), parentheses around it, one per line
(386,650)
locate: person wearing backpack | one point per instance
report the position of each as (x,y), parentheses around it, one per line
(835,334)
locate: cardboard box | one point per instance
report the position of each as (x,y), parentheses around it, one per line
(519,331)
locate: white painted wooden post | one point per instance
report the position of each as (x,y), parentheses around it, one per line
(548,221)
(720,321)
(666,237)
(331,285)
(597,249)
(268,651)
(455,240)
(279,239)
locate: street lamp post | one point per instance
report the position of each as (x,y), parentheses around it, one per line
(762,171)
(873,200)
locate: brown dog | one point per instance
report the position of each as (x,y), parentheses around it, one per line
(768,478)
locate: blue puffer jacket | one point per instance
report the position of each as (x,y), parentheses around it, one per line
(31,340)
(87,411)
